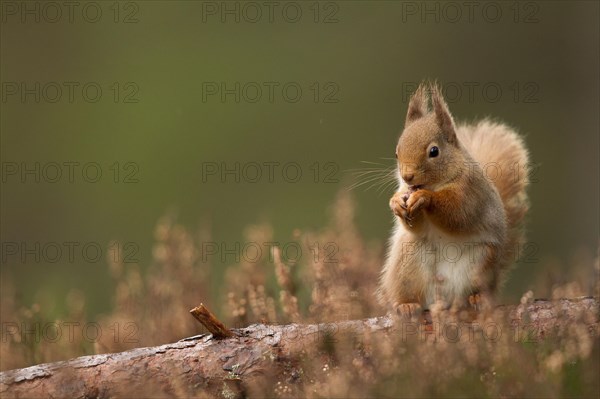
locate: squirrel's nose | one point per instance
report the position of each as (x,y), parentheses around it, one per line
(408,177)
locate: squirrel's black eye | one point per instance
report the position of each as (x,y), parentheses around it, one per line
(396,155)
(434,152)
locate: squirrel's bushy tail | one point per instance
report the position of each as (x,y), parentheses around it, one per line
(502,155)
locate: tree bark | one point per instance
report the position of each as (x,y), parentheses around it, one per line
(202,365)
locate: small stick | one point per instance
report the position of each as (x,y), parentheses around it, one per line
(212,324)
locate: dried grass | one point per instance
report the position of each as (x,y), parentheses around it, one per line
(335,279)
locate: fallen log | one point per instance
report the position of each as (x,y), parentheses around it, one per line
(203,365)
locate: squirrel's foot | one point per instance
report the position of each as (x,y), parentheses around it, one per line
(408,310)
(480,302)
(475,301)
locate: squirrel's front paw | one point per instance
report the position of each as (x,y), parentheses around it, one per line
(417,201)
(398,204)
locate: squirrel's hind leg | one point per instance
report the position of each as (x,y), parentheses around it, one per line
(408,310)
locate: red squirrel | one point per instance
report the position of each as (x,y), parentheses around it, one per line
(459,209)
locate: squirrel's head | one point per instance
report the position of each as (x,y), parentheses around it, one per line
(428,151)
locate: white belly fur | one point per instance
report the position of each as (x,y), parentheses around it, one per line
(451,265)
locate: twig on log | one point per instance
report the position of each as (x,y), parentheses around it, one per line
(210,321)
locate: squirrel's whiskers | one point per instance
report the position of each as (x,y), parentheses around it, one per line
(378,176)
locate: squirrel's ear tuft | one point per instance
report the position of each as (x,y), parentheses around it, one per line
(418,104)
(443,116)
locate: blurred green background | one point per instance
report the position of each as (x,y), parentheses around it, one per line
(355,62)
